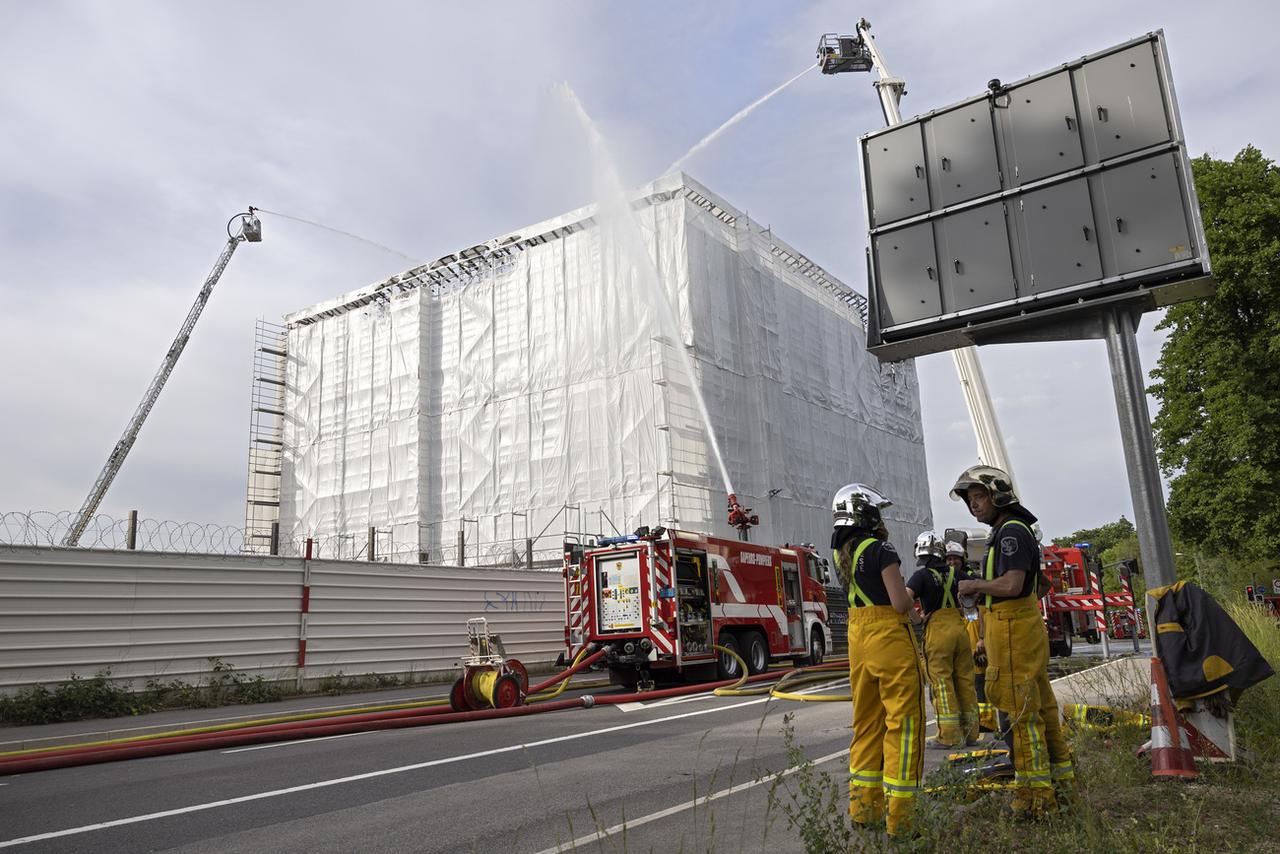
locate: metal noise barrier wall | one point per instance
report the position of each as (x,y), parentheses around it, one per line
(144,616)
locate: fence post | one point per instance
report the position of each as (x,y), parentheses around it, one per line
(462,547)
(275,539)
(131,533)
(528,553)
(304,611)
(1127,579)
(372,551)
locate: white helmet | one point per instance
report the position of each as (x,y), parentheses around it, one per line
(929,545)
(996,480)
(955,549)
(856,505)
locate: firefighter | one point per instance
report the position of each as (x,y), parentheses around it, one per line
(972,611)
(886,756)
(947,656)
(1015,639)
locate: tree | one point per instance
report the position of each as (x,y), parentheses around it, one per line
(1100,538)
(1218,378)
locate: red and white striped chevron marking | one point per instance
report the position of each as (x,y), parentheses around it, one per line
(661,579)
(1086,602)
(1099,616)
(576,605)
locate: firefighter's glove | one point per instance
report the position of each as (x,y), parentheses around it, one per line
(980,655)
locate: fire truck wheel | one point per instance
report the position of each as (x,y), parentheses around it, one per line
(458,696)
(817,650)
(755,652)
(726,665)
(506,692)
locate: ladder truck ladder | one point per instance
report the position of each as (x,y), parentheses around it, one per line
(249,230)
(860,53)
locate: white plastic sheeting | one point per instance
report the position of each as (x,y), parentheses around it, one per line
(492,388)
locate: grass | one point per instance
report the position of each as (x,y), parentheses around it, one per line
(1120,808)
(98,696)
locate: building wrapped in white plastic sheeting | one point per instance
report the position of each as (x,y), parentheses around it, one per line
(489,390)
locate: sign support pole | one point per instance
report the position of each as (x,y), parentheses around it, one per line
(1154,542)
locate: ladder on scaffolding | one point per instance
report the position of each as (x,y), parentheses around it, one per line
(266,439)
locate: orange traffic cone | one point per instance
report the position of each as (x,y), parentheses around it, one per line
(1171,754)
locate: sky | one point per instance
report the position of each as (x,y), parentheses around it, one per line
(132,131)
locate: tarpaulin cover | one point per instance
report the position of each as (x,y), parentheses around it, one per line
(533,372)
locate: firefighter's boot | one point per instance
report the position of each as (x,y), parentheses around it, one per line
(901,816)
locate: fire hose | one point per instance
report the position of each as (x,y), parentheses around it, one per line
(311,725)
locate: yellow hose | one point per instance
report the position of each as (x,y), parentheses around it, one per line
(736,689)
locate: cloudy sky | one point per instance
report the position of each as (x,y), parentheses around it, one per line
(131,131)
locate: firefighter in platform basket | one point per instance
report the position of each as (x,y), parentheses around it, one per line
(885,758)
(1017,645)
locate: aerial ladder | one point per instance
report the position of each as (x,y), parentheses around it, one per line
(249,229)
(838,54)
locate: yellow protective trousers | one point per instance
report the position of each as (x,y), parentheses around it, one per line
(1018,684)
(986,711)
(886,756)
(948,662)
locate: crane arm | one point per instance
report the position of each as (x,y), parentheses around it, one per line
(250,230)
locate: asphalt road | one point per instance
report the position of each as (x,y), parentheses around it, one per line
(688,774)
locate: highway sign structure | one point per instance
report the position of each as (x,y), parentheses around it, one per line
(1013,215)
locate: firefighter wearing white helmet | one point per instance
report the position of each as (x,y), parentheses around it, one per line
(948,659)
(886,756)
(1017,645)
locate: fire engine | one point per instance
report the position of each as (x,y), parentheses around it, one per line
(1071,572)
(659,599)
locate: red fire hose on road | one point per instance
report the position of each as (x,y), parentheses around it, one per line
(48,759)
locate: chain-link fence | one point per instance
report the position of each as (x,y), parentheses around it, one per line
(48,529)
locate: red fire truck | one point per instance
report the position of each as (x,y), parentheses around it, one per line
(657,601)
(1070,571)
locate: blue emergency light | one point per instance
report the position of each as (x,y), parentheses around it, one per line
(615,541)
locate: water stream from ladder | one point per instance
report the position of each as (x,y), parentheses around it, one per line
(617,217)
(733,120)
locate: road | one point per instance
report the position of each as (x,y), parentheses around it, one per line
(684,774)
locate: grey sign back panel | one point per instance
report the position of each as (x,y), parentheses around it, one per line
(1125,109)
(897,162)
(907,259)
(1061,240)
(1144,209)
(962,154)
(976,267)
(1086,167)
(1043,128)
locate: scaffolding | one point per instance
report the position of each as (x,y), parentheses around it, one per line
(266,439)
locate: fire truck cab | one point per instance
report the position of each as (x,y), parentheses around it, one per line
(658,601)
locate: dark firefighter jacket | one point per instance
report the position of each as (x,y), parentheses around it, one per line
(1203,650)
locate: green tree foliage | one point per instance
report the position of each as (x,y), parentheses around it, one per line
(1218,378)
(1101,538)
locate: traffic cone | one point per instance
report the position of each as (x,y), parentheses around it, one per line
(1171,754)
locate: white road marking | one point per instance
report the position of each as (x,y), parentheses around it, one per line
(287,743)
(653,704)
(369,775)
(601,835)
